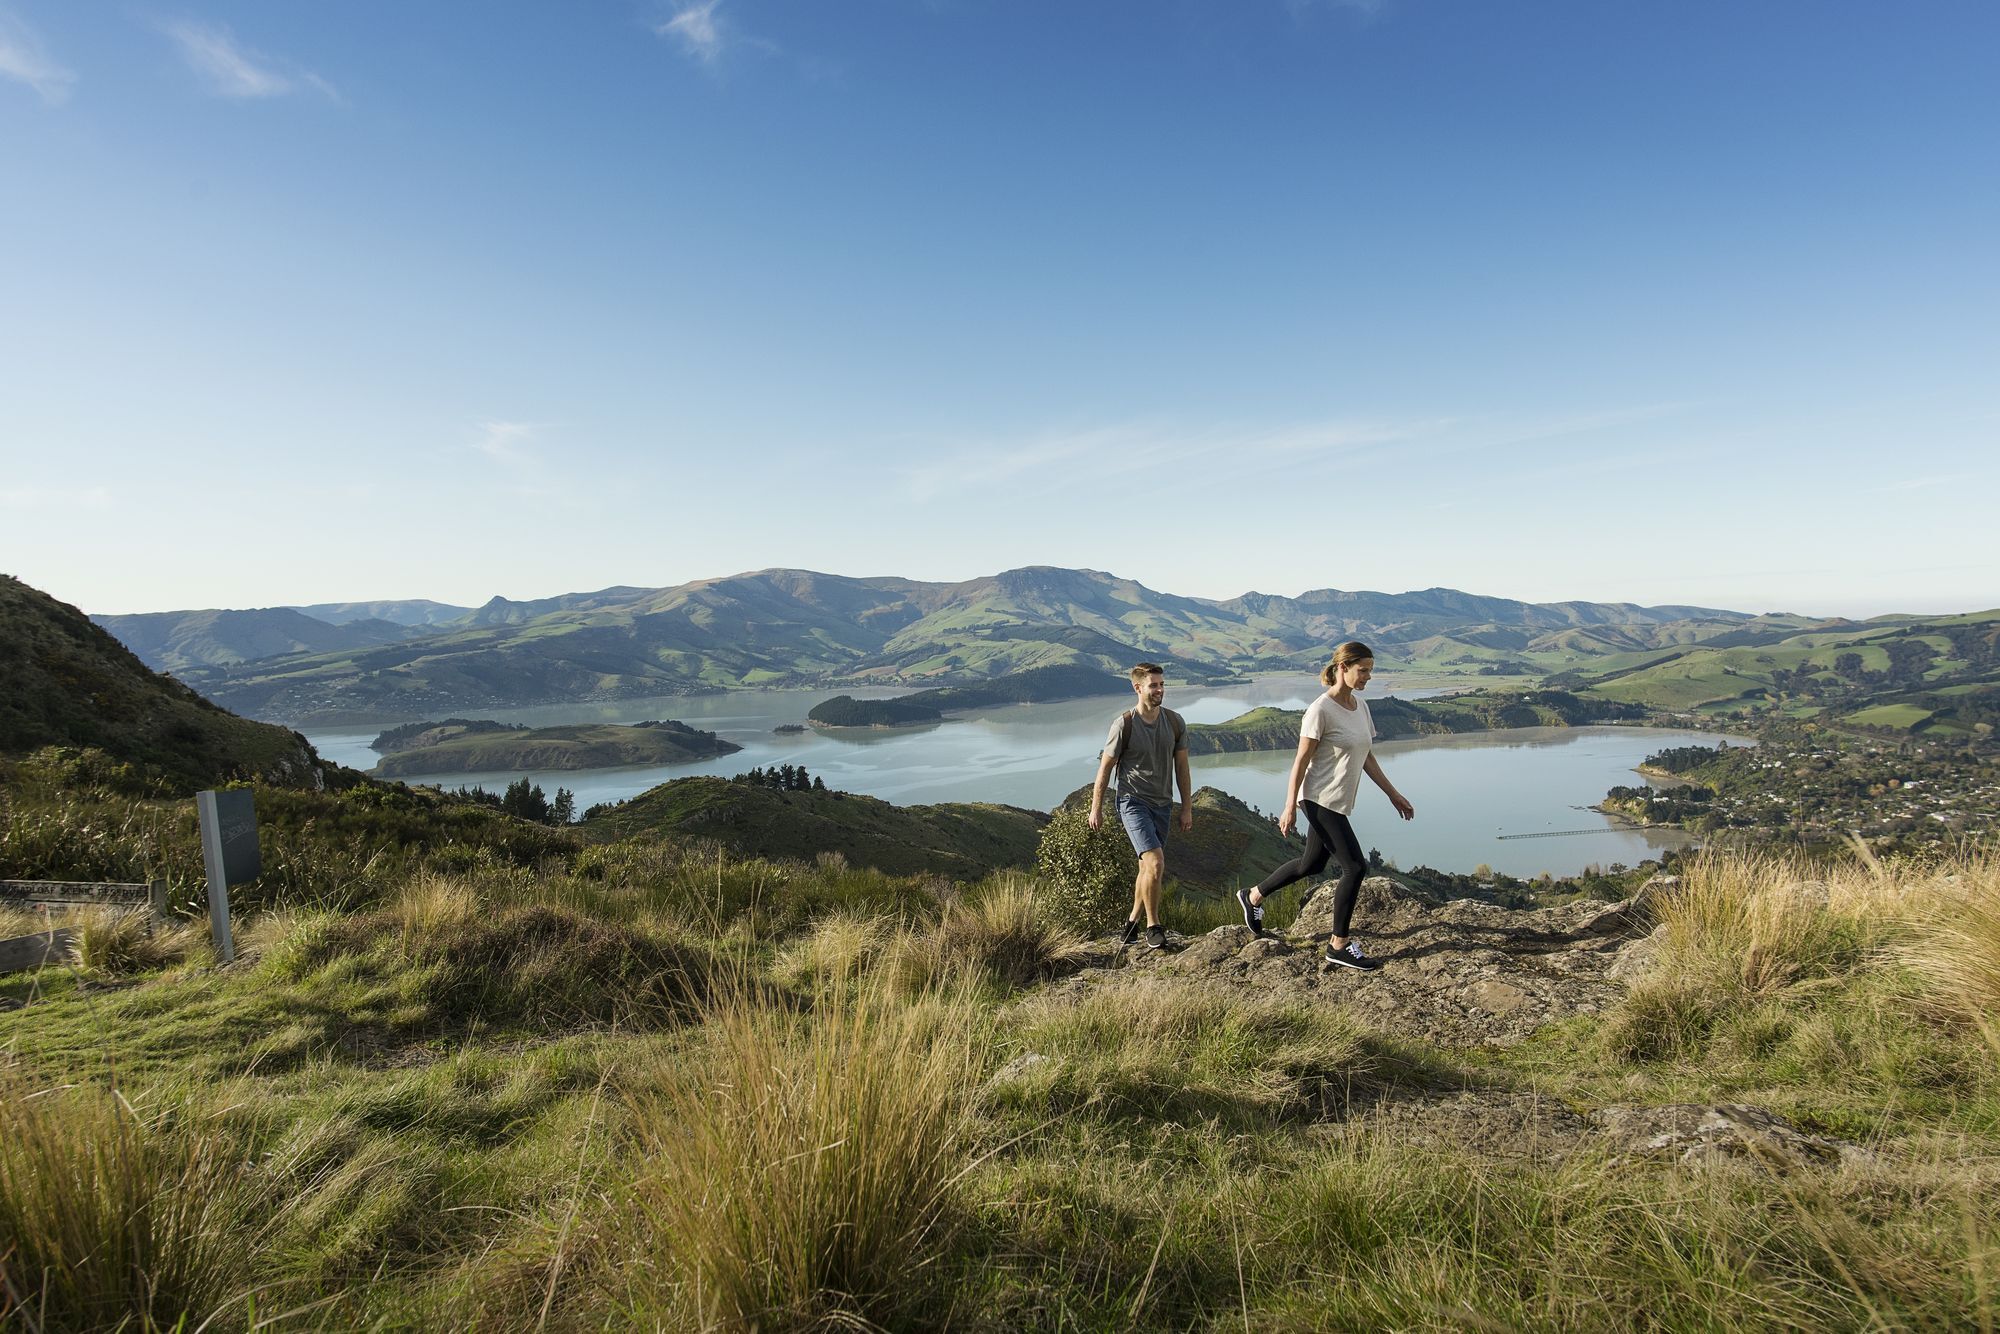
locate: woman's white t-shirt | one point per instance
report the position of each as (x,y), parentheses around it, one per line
(1345,736)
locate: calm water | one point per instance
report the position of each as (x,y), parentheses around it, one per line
(1468,790)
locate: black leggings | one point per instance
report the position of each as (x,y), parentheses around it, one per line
(1327,835)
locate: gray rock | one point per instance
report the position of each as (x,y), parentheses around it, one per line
(1695,1134)
(1496,997)
(1636,959)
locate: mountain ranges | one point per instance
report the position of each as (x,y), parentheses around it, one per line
(799,628)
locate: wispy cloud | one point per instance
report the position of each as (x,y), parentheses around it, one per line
(1925,483)
(23,60)
(235,71)
(696,27)
(506,442)
(1056,460)
(54,499)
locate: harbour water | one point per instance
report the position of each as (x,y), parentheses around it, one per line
(1471,791)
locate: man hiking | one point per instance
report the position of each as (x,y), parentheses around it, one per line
(1148,749)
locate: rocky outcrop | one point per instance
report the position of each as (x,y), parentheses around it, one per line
(1466,973)
(1459,973)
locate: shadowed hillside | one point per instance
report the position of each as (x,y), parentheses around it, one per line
(66,682)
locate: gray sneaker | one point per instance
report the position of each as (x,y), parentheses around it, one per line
(1156,936)
(1350,956)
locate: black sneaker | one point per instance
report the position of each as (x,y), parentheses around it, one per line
(1350,956)
(1131,931)
(1253,913)
(1156,936)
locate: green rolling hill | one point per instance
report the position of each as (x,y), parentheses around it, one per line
(1919,674)
(962,840)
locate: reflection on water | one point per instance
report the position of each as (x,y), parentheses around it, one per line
(1468,789)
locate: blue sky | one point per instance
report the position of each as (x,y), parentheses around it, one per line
(1689,302)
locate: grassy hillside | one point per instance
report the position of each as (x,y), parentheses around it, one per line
(1932,675)
(962,840)
(641,1087)
(69,683)
(573,746)
(174,641)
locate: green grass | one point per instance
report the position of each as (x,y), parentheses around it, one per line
(473,1105)
(1901,716)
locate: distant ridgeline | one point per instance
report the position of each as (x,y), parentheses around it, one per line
(1033,633)
(462,745)
(1474,711)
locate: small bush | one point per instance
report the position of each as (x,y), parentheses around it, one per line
(1086,874)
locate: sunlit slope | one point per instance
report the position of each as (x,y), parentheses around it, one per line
(1934,674)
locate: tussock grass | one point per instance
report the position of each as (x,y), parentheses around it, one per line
(798,1173)
(459,957)
(1756,925)
(1954,941)
(839,948)
(1002,933)
(109,1219)
(121,943)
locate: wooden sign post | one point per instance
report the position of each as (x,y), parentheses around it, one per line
(229,851)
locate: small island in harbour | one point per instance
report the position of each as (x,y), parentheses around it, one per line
(478,746)
(847,711)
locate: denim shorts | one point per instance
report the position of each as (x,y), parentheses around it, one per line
(1145,824)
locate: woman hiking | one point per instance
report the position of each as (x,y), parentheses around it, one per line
(1336,741)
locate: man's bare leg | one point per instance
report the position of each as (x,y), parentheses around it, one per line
(1146,889)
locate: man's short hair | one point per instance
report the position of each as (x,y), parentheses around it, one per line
(1146,669)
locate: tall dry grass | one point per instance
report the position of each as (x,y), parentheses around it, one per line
(1953,937)
(797,1174)
(1005,933)
(109,1219)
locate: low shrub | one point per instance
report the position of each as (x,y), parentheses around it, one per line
(1086,874)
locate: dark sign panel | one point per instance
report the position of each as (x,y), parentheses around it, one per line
(229,827)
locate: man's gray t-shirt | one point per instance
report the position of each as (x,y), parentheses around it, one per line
(1146,763)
